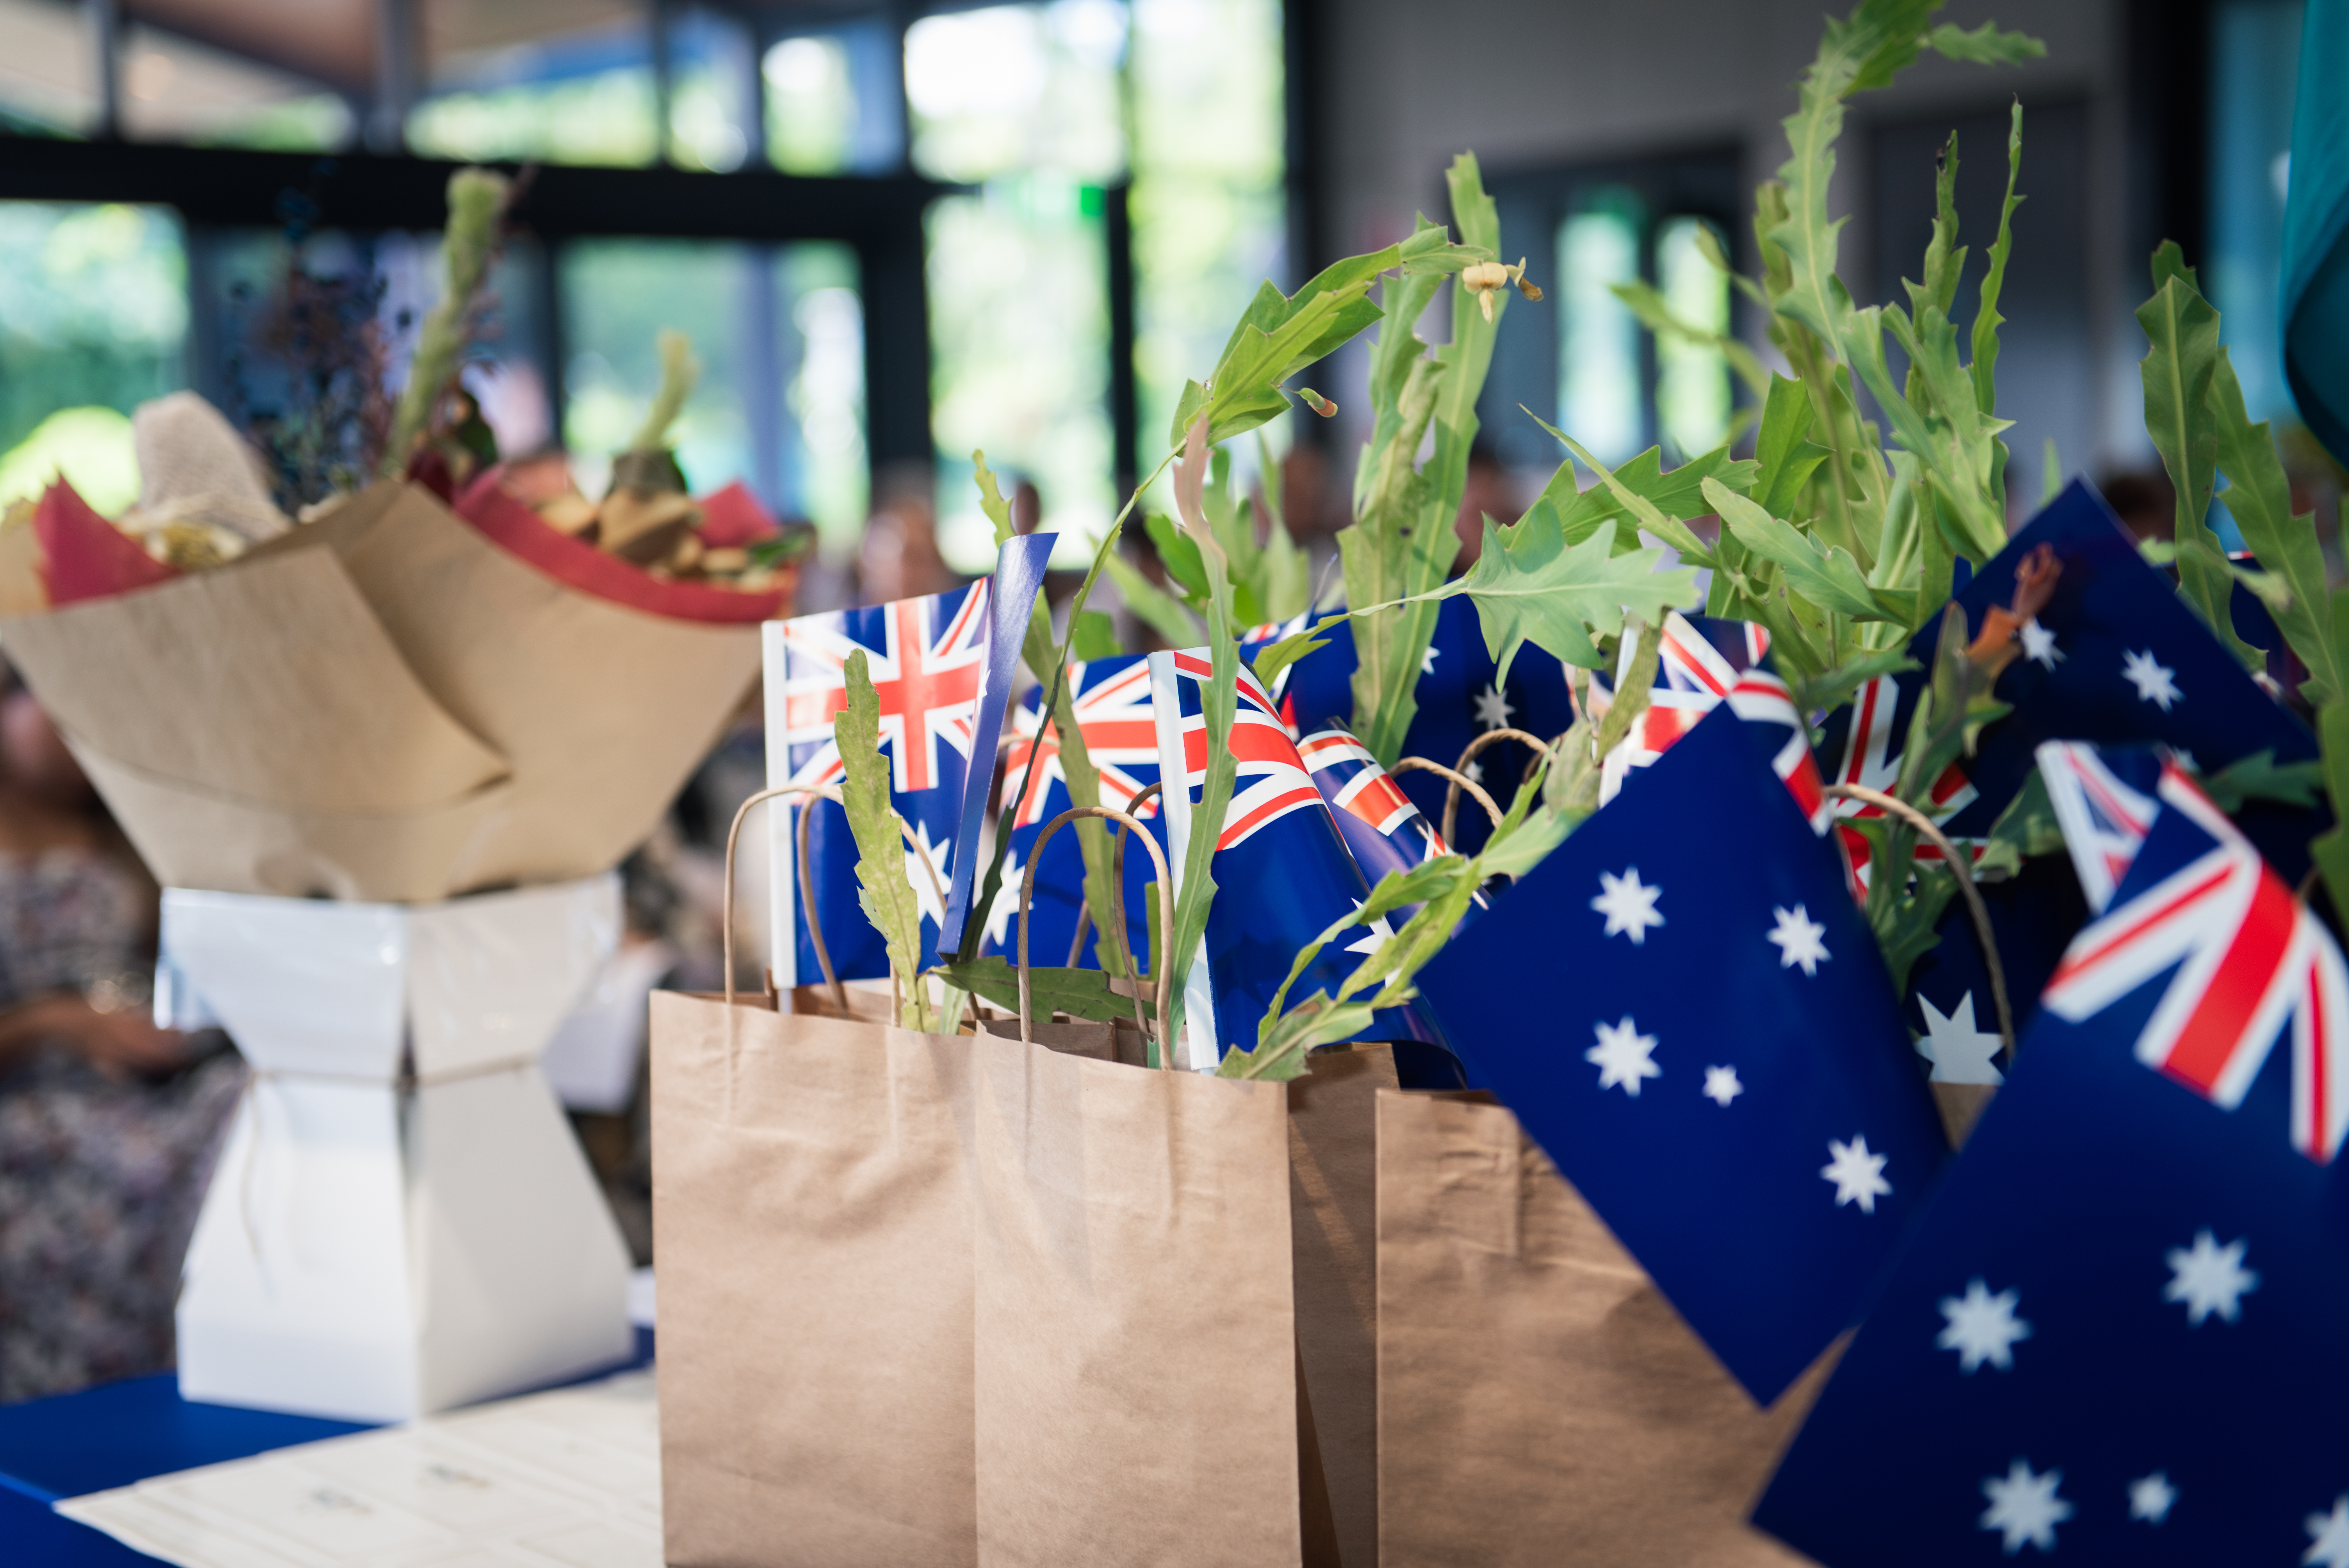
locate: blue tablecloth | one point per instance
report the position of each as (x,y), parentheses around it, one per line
(123,1432)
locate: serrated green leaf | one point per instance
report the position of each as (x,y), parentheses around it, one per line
(1655,313)
(2169,262)
(2260,777)
(2259,496)
(1832,688)
(2177,369)
(992,499)
(884,892)
(1080,993)
(1179,555)
(1788,457)
(1827,576)
(1516,852)
(1270,661)
(1645,513)
(1986,46)
(1094,636)
(1678,492)
(1194,885)
(1987,321)
(1556,595)
(1154,607)
(2025,830)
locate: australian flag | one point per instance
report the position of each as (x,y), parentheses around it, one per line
(1111,699)
(1701,662)
(927,660)
(1282,872)
(2116,1336)
(1460,696)
(2115,657)
(1381,826)
(1724,1076)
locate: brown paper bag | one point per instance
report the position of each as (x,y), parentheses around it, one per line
(1135,1376)
(1333,1218)
(1539,1402)
(381,706)
(814,1221)
(1138,1384)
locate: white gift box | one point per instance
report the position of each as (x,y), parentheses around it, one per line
(400,1220)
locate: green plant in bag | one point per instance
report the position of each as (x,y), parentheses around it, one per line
(1562,792)
(1277,336)
(2194,408)
(1401,541)
(886,892)
(1077,771)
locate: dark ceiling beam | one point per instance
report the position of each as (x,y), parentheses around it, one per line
(227,188)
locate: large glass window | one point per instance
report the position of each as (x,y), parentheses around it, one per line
(93,322)
(1210,215)
(1026,100)
(835,101)
(712,91)
(1599,382)
(578,97)
(779,331)
(1693,386)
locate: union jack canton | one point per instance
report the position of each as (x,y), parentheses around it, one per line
(1701,663)
(2248,958)
(927,658)
(1111,701)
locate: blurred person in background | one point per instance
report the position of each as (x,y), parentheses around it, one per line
(899,558)
(109,1126)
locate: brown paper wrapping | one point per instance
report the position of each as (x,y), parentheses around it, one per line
(1539,1402)
(383,706)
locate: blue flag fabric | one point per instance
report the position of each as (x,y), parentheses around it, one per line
(1011,596)
(926,660)
(1949,1007)
(1111,698)
(1460,697)
(1722,1073)
(2114,1335)
(1282,873)
(2116,658)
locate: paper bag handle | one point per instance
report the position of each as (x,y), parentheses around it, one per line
(1117,871)
(1962,864)
(1475,746)
(1459,781)
(1165,918)
(807,882)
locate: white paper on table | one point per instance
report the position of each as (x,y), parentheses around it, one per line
(564,1479)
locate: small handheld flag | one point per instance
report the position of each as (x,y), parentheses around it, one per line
(1721,1072)
(2117,1329)
(926,657)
